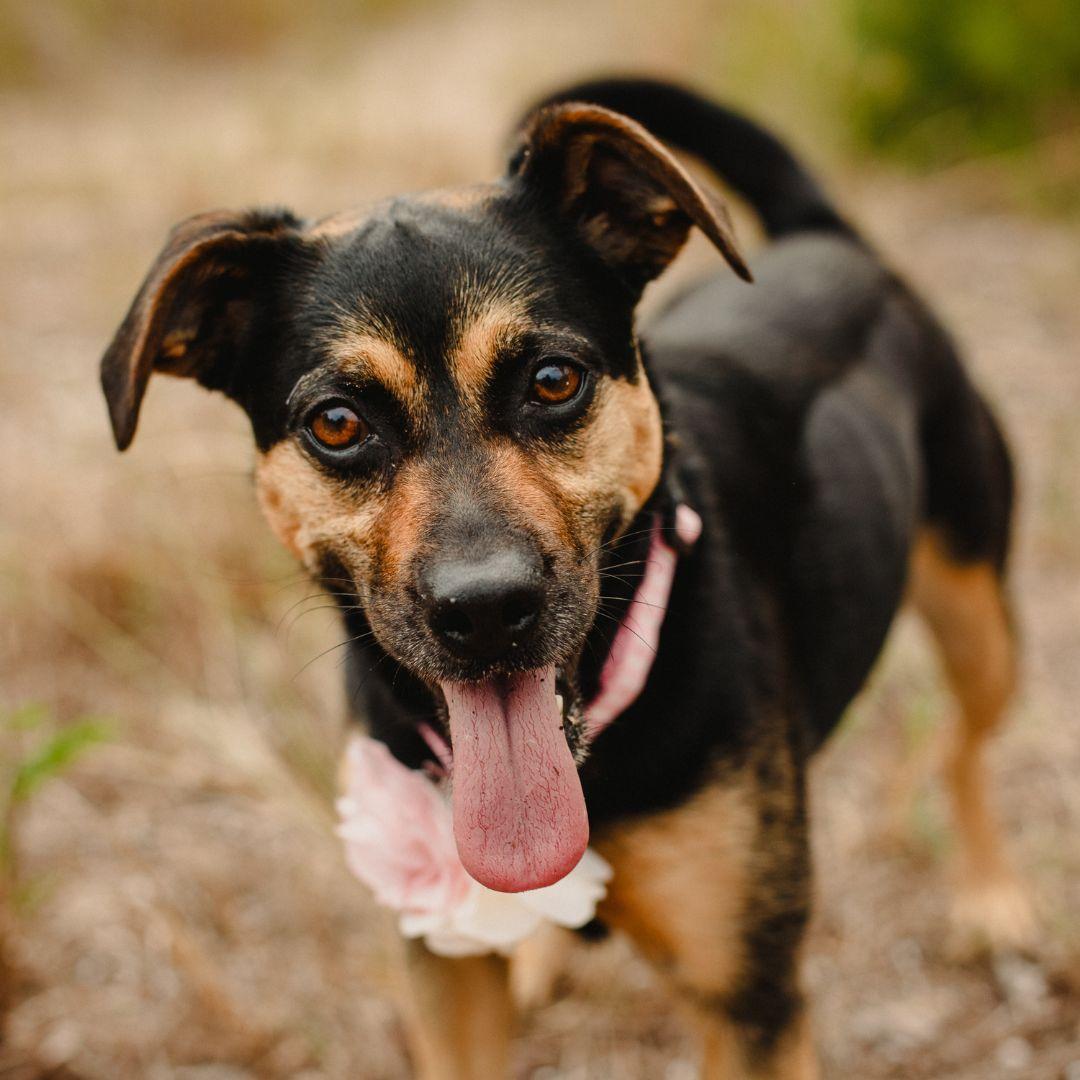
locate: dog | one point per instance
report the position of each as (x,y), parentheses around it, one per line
(462,435)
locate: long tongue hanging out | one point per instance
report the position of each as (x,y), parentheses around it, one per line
(519,811)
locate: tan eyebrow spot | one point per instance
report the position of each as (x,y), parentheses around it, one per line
(377,357)
(479,340)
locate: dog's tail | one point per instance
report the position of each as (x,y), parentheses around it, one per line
(753,161)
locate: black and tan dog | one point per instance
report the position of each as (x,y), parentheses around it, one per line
(462,435)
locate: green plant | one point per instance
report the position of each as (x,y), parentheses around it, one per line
(934,81)
(37,750)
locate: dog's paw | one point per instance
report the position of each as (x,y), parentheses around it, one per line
(993,916)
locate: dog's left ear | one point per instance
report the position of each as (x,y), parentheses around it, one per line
(630,198)
(197,311)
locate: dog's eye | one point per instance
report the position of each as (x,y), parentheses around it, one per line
(556,382)
(337,427)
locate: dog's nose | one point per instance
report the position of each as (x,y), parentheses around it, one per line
(481,609)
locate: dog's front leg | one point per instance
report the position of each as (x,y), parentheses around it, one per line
(458,1013)
(715,893)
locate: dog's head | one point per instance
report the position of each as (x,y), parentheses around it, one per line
(451,413)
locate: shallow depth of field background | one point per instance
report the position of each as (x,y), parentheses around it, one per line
(172,900)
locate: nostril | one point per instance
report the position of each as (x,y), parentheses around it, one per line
(519,613)
(453,623)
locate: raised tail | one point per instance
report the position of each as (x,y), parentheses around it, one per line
(754,162)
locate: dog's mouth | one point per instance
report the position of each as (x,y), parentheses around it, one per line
(519,811)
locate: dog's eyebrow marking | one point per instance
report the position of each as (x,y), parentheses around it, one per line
(363,351)
(481,335)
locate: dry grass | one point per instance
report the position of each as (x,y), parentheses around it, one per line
(183,910)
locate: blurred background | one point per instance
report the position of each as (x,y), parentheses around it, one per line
(173,903)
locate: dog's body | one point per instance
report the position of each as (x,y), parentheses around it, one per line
(819,422)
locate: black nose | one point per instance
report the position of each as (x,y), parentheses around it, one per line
(481,609)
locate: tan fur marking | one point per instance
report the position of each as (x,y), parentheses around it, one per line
(479,340)
(620,451)
(965,609)
(359,351)
(679,885)
(400,526)
(794,1058)
(459,1014)
(307,511)
(537,964)
(529,493)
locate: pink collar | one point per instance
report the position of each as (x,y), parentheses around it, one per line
(634,649)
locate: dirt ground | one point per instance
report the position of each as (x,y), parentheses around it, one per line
(182,909)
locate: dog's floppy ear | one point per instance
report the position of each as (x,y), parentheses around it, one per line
(195,314)
(630,198)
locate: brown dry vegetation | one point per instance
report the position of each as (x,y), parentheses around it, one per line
(182,909)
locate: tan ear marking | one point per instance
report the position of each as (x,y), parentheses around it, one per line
(175,344)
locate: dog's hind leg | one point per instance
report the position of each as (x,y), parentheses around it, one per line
(963,604)
(458,1015)
(715,894)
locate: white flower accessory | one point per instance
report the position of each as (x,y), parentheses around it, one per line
(399,840)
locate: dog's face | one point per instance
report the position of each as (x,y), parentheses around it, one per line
(469,420)
(447,397)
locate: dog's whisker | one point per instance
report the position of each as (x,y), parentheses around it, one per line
(623,622)
(303,600)
(643,603)
(318,656)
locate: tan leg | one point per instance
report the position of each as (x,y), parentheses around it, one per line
(724,1057)
(458,1015)
(537,964)
(965,609)
(699,888)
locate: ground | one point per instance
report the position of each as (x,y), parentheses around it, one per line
(182,909)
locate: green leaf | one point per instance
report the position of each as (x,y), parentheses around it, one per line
(55,755)
(27,717)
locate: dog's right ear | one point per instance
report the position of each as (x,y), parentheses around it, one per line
(196,312)
(626,194)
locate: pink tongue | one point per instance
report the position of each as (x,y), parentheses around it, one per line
(519,812)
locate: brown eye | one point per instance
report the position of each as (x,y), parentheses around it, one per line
(337,427)
(556,383)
